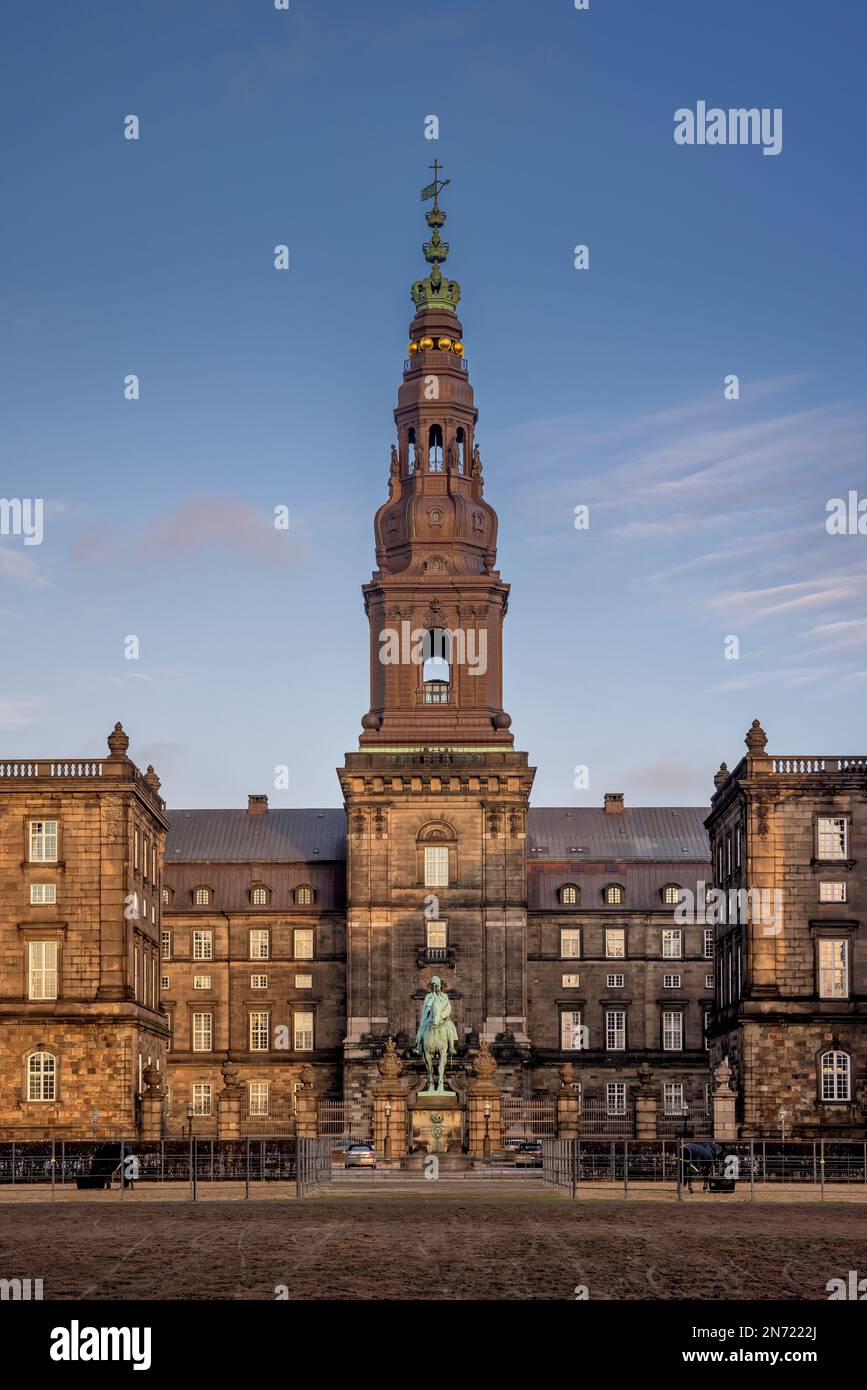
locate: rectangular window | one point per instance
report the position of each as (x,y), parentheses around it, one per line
(833,968)
(201,1098)
(436,866)
(42,893)
(709,944)
(303,981)
(135,972)
(571,1037)
(737,846)
(833,837)
(201,982)
(135,849)
(672,944)
(828,893)
(672,1097)
(708,981)
(42,970)
(615,1098)
(671,981)
(166,944)
(258,981)
(43,841)
(672,1030)
(304,1030)
(153,980)
(259,944)
(203,945)
(260,1095)
(203,1032)
(259,1030)
(615,981)
(615,1030)
(615,943)
(570,943)
(570,981)
(436,934)
(705,1027)
(164,982)
(303,943)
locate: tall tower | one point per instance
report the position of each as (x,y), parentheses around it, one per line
(436,796)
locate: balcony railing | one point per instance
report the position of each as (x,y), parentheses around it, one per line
(27,770)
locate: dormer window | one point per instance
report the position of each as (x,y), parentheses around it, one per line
(260,896)
(671,894)
(569,895)
(202,896)
(613,894)
(304,896)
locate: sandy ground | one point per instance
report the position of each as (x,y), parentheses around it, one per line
(495,1242)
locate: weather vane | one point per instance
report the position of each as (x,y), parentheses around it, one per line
(434,189)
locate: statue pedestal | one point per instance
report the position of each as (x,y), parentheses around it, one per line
(437,1122)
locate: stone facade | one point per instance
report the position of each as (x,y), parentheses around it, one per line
(791,986)
(81,854)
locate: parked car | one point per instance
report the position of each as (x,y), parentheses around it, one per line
(360,1156)
(529,1154)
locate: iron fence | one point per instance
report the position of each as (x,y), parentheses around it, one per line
(132,1163)
(566,1163)
(339,1119)
(528,1119)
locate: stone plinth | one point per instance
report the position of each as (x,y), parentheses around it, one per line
(229,1103)
(437,1123)
(151,1126)
(724,1123)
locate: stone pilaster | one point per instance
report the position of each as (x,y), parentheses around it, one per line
(307,1105)
(151,1126)
(646,1105)
(229,1103)
(484,1106)
(724,1124)
(568,1104)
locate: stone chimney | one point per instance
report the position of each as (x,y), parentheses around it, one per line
(257,805)
(613,803)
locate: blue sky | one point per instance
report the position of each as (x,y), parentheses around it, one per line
(601,387)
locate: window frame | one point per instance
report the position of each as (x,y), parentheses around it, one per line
(43,1074)
(38,838)
(570,932)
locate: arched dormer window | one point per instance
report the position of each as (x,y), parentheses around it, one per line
(613,894)
(202,896)
(672,894)
(435,449)
(167,895)
(835,1075)
(569,895)
(260,895)
(436,671)
(304,895)
(42,1076)
(437,855)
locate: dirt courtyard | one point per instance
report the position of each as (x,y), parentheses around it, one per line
(495,1245)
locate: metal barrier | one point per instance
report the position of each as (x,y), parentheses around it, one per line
(566,1163)
(60,1164)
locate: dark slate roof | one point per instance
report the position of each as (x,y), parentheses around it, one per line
(232,882)
(574,833)
(580,833)
(279,836)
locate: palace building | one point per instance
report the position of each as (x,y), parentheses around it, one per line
(166,958)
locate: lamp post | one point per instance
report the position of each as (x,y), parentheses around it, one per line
(387,1131)
(684,1116)
(192,1164)
(781,1115)
(190,1119)
(486,1143)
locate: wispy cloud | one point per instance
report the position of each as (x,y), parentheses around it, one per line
(206,522)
